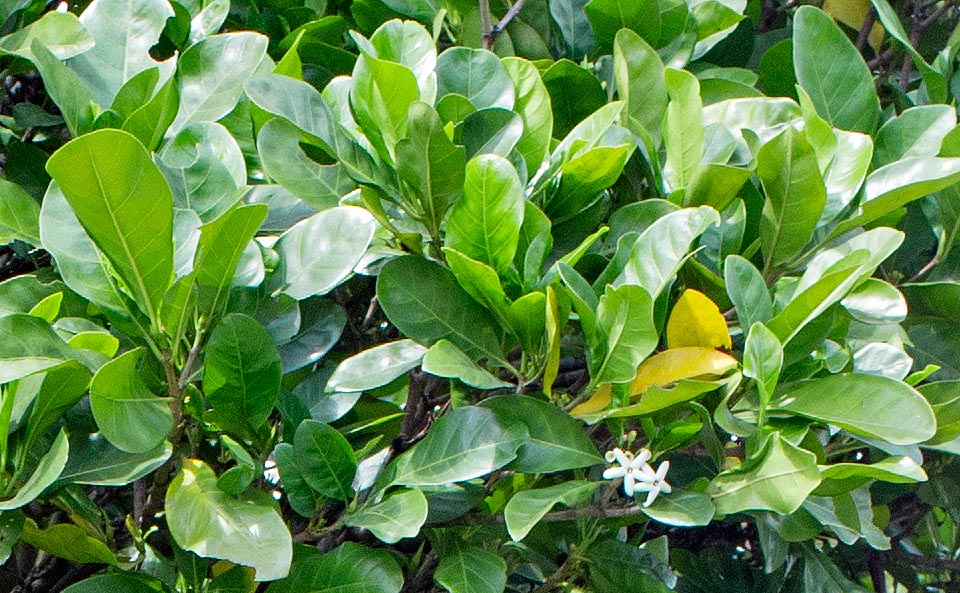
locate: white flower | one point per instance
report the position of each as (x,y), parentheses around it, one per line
(62,7)
(632,468)
(655,482)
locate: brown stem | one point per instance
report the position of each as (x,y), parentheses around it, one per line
(557,577)
(486,26)
(877,576)
(514,11)
(926,268)
(864,34)
(907,67)
(936,14)
(421,579)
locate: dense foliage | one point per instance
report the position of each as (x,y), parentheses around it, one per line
(400,295)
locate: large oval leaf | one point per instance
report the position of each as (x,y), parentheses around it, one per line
(526,508)
(325,459)
(351,568)
(400,515)
(472,570)
(376,366)
(867,405)
(29,346)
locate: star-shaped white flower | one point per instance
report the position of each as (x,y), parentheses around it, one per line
(632,468)
(653,483)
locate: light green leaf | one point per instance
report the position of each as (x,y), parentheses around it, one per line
(763,360)
(95,462)
(114,188)
(481,282)
(485,223)
(47,472)
(897,470)
(491,131)
(400,515)
(639,73)
(795,196)
(557,441)
(380,97)
(59,32)
(463,444)
(444,359)
(875,301)
(867,405)
(609,17)
(918,131)
(779,480)
(211,74)
(320,252)
(683,128)
(477,75)
(213,524)
(241,374)
(427,304)
(625,319)
(66,89)
(128,414)
(375,366)
(533,106)
(150,121)
(29,346)
(350,568)
(525,509)
(832,71)
(747,291)
(410,44)
(846,172)
(471,570)
(325,459)
(19,215)
(69,542)
(682,508)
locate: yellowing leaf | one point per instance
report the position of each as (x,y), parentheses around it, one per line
(665,368)
(852,13)
(696,321)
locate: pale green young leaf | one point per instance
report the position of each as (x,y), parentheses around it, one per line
(444,359)
(399,516)
(46,473)
(525,509)
(19,215)
(625,320)
(683,130)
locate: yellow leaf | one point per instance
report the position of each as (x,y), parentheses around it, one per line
(696,321)
(665,368)
(851,13)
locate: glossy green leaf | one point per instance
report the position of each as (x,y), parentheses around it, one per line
(46,473)
(322,323)
(779,480)
(491,131)
(795,196)
(325,459)
(30,346)
(375,366)
(244,531)
(682,508)
(525,509)
(619,566)
(19,215)
(608,17)
(867,405)
(150,121)
(94,461)
(485,223)
(427,304)
(68,541)
(575,93)
(66,90)
(109,172)
(59,32)
(218,251)
(557,441)
(410,44)
(876,301)
(320,252)
(747,291)
(897,470)
(584,177)
(303,499)
(464,444)
(400,515)
(683,128)
(58,390)
(128,414)
(444,359)
(763,360)
(381,95)
(350,568)
(639,73)
(625,319)
(121,581)
(832,71)
(211,74)
(574,26)
(918,131)
(241,374)
(475,74)
(481,282)
(533,105)
(471,570)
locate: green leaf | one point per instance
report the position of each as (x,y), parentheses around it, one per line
(832,71)
(113,187)
(121,581)
(608,17)
(584,177)
(763,360)
(661,249)
(320,186)
(485,223)
(574,26)
(821,575)
(795,196)
(320,252)
(779,480)
(59,32)
(211,74)
(218,251)
(375,366)
(475,74)
(525,509)
(944,398)
(207,521)
(575,93)
(896,470)
(444,359)
(410,44)
(481,282)
(867,405)
(66,89)
(935,81)
(620,567)
(747,291)
(557,441)
(124,32)
(625,319)
(69,542)
(494,131)
(95,462)
(918,131)
(430,164)
(350,568)
(47,472)
(639,73)
(322,323)
(380,97)
(303,499)
(19,215)
(29,346)
(463,444)
(682,508)
(59,389)
(895,185)
(128,414)
(427,304)
(533,105)
(683,130)
(400,515)
(150,121)
(471,570)
(325,459)
(241,374)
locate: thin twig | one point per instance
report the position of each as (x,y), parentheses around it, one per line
(594,512)
(486,25)
(864,34)
(926,268)
(514,11)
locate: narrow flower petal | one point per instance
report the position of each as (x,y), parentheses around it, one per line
(612,473)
